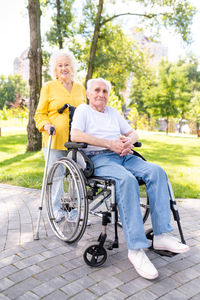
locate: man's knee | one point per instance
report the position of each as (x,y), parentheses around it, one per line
(156,172)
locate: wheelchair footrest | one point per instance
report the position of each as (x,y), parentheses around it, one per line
(111,244)
(163,252)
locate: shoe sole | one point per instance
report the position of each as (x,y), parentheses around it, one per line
(146,275)
(172,250)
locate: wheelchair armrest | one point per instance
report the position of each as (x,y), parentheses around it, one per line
(73,145)
(137,144)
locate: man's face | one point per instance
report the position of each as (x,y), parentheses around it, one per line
(98,96)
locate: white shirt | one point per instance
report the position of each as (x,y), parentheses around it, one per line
(107,125)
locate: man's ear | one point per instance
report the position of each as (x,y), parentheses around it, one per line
(87,94)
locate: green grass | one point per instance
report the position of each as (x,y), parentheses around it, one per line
(179,156)
(18,167)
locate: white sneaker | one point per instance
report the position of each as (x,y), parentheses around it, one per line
(142,264)
(166,242)
(59,215)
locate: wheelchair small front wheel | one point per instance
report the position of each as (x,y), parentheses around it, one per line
(95,256)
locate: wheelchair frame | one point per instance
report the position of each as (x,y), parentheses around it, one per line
(81,192)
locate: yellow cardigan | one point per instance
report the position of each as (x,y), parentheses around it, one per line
(53,96)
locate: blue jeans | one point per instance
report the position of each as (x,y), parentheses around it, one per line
(57,186)
(124,170)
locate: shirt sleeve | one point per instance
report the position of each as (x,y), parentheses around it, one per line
(79,118)
(41,115)
(124,125)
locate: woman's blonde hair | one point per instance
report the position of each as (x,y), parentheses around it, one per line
(60,53)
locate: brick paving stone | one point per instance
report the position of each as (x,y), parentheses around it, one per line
(5,283)
(124,264)
(164,272)
(50,273)
(3,297)
(57,295)
(163,286)
(134,286)
(28,296)
(77,286)
(9,260)
(197,297)
(7,270)
(180,265)
(84,295)
(50,286)
(51,269)
(77,273)
(185,275)
(191,288)
(29,261)
(105,272)
(174,295)
(47,263)
(197,268)
(114,294)
(143,295)
(25,273)
(127,275)
(105,286)
(21,288)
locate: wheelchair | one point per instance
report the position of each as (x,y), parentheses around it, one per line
(84,194)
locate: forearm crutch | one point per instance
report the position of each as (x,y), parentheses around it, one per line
(36,235)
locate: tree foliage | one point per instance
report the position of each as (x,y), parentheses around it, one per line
(62,21)
(89,32)
(12,88)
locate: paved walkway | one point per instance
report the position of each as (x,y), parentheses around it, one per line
(51,269)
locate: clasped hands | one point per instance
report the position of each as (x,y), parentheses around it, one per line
(123,146)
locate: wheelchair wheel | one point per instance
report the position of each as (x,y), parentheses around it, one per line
(66,187)
(95,256)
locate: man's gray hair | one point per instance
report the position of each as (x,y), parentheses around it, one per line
(56,55)
(91,81)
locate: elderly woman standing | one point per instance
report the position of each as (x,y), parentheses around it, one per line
(54,94)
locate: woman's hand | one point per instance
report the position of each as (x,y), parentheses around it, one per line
(47,128)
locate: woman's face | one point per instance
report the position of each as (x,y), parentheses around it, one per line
(63,69)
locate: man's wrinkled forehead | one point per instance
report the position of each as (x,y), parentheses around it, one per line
(99,85)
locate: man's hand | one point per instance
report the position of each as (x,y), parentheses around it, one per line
(47,128)
(122,146)
(127,146)
(116,146)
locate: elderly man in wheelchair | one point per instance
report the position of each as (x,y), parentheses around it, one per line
(101,161)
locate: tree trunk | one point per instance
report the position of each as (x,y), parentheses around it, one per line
(94,41)
(60,40)
(167,128)
(35,73)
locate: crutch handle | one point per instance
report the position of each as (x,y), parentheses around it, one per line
(60,110)
(52,130)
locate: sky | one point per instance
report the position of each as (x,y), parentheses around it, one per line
(14,35)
